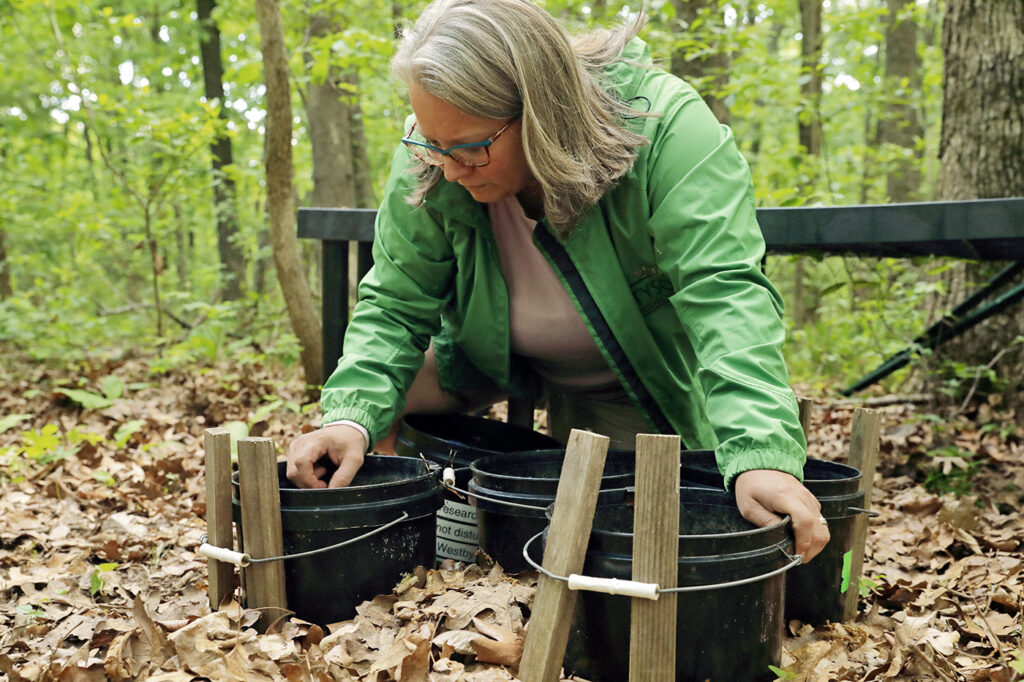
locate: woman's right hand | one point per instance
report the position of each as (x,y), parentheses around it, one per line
(344,445)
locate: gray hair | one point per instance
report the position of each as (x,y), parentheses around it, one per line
(507,58)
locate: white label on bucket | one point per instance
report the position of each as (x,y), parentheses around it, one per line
(454,550)
(456,532)
(458,511)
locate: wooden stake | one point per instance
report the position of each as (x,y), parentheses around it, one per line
(219,529)
(864,436)
(261,528)
(652,636)
(805,405)
(568,535)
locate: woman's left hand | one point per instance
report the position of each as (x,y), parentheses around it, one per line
(764,496)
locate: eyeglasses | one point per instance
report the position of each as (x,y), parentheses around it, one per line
(468,154)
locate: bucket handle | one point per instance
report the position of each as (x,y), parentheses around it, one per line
(243,559)
(633,588)
(495,500)
(859,510)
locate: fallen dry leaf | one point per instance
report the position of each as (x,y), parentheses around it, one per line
(99,577)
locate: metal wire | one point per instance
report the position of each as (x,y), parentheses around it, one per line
(870,512)
(321,550)
(794,561)
(517,504)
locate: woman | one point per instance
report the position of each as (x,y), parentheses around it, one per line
(563,217)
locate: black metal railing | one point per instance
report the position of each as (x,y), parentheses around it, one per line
(983,229)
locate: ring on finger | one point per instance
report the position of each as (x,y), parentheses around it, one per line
(822,520)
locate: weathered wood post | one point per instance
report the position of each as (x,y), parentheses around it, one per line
(219,528)
(568,535)
(652,637)
(864,435)
(805,406)
(261,528)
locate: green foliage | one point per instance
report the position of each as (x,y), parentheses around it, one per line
(41,449)
(861,312)
(105,478)
(10,421)
(782,673)
(950,470)
(867,585)
(112,386)
(237,430)
(126,430)
(96,580)
(30,612)
(106,131)
(1018,661)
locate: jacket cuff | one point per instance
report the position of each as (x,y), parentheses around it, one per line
(360,417)
(736,463)
(355,425)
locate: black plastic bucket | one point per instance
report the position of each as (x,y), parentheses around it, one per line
(723,633)
(326,587)
(502,482)
(457,440)
(816,592)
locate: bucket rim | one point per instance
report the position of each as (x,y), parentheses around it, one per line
(542,456)
(415,429)
(777,528)
(741,534)
(430,469)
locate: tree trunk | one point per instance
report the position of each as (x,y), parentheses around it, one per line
(901,126)
(232,259)
(396,18)
(982,154)
(278,151)
(157,264)
(5,269)
(360,151)
(710,74)
(809,136)
(982,145)
(330,130)
(809,119)
(183,241)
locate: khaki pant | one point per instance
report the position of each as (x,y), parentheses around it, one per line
(620,422)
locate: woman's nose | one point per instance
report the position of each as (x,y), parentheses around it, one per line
(453,170)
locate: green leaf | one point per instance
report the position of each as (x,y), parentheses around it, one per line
(39,444)
(87,399)
(237,430)
(12,420)
(127,430)
(783,674)
(113,387)
(30,611)
(96,583)
(266,409)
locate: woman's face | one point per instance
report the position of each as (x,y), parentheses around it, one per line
(442,125)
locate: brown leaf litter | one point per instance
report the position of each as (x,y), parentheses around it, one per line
(100,579)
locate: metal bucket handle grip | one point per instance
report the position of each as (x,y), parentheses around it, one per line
(859,510)
(635,588)
(243,559)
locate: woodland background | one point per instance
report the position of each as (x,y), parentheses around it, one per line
(152,156)
(148,196)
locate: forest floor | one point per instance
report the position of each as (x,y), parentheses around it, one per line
(102,504)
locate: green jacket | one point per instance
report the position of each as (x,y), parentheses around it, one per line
(665,271)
